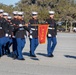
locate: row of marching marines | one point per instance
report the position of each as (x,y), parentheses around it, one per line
(13,31)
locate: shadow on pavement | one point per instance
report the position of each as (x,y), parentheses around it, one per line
(70,56)
(26,54)
(34,58)
(42,54)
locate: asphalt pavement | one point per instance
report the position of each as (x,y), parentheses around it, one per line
(63,62)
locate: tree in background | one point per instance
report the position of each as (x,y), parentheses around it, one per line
(65,10)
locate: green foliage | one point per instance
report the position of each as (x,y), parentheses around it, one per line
(64,9)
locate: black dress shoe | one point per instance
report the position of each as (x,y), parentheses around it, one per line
(21,59)
(0,56)
(33,55)
(30,53)
(51,55)
(8,52)
(14,57)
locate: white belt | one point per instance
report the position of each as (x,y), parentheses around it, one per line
(21,28)
(51,28)
(33,29)
(0,27)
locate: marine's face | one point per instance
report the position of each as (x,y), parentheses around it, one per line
(35,16)
(1,14)
(5,17)
(20,17)
(15,16)
(52,16)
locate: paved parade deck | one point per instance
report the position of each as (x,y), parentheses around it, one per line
(63,63)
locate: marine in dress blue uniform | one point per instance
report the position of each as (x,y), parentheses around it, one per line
(14,23)
(20,33)
(10,29)
(52,33)
(33,33)
(7,26)
(2,31)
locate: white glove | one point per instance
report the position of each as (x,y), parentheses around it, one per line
(9,35)
(31,37)
(20,25)
(25,36)
(13,36)
(30,31)
(6,35)
(56,36)
(49,35)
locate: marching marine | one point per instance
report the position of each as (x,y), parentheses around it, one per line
(20,33)
(6,28)
(2,31)
(33,25)
(52,33)
(14,23)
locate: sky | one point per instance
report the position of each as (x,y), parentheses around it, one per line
(9,2)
